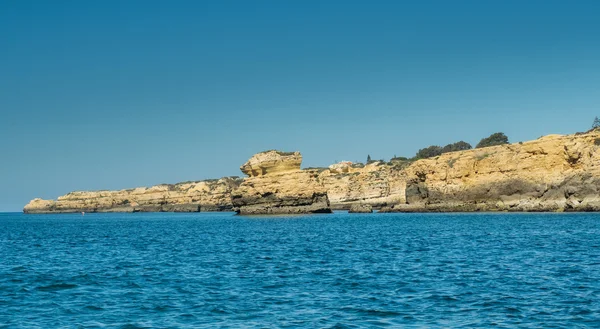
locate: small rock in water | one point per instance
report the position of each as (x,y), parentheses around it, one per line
(361,208)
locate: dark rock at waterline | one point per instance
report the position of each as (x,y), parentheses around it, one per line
(361,208)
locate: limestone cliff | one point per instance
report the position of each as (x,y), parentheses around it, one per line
(271,162)
(276,185)
(553,173)
(377,184)
(209,195)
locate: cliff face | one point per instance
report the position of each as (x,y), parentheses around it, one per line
(272,162)
(553,173)
(276,185)
(377,184)
(211,195)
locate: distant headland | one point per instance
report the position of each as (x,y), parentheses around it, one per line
(553,173)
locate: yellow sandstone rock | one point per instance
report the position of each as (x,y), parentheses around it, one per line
(210,195)
(272,161)
(376,184)
(552,173)
(277,186)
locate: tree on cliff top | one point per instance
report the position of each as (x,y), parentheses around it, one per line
(368,158)
(458,146)
(492,140)
(429,152)
(596,123)
(434,150)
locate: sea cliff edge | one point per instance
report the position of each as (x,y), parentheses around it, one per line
(553,173)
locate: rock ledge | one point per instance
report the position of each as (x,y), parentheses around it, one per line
(361,208)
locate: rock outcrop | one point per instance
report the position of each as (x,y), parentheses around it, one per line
(552,173)
(361,208)
(340,167)
(270,162)
(377,184)
(209,195)
(276,185)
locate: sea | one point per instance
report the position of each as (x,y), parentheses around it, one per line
(219,270)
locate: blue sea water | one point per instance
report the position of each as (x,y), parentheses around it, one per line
(211,270)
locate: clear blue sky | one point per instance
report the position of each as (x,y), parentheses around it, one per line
(118,94)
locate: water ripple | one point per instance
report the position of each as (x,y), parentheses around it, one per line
(327,271)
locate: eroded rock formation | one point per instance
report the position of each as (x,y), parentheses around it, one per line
(276,185)
(553,173)
(377,184)
(210,195)
(361,208)
(272,161)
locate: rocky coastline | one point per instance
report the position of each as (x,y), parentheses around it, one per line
(553,173)
(208,195)
(277,185)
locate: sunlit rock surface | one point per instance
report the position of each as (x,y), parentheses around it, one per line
(552,173)
(210,195)
(277,186)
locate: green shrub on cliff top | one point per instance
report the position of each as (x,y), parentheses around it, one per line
(434,150)
(282,153)
(493,140)
(458,146)
(429,152)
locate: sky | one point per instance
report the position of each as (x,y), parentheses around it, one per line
(118,94)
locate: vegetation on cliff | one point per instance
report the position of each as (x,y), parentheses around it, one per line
(282,153)
(552,173)
(596,124)
(493,140)
(434,150)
